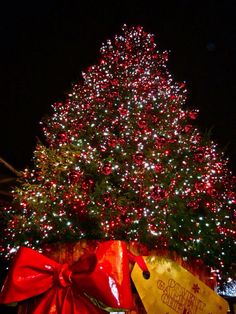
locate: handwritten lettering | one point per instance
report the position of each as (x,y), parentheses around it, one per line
(180,299)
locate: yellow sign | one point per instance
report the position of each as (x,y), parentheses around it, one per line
(172,289)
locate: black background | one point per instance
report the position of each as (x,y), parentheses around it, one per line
(46,44)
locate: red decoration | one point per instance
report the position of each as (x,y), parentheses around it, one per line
(142,124)
(88,184)
(112,142)
(138,158)
(199,155)
(62,137)
(154,119)
(158,193)
(188,128)
(122,142)
(149,107)
(49,184)
(74,176)
(123,111)
(193,204)
(160,142)
(107,200)
(211,191)
(193,115)
(107,169)
(78,206)
(158,168)
(199,186)
(167,152)
(45,284)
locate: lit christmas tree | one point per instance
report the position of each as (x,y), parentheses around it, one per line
(123,160)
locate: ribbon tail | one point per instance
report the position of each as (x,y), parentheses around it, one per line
(58,300)
(73,303)
(45,303)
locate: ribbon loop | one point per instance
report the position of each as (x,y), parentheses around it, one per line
(63,275)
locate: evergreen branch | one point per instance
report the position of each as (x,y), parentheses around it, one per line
(10,167)
(6,180)
(5,193)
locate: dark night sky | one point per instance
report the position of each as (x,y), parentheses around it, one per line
(46,44)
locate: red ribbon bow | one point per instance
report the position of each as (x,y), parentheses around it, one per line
(50,287)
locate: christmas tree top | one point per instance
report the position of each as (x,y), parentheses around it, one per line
(123,160)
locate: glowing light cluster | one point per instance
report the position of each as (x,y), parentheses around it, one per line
(123,160)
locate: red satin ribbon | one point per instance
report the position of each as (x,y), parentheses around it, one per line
(139,260)
(52,288)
